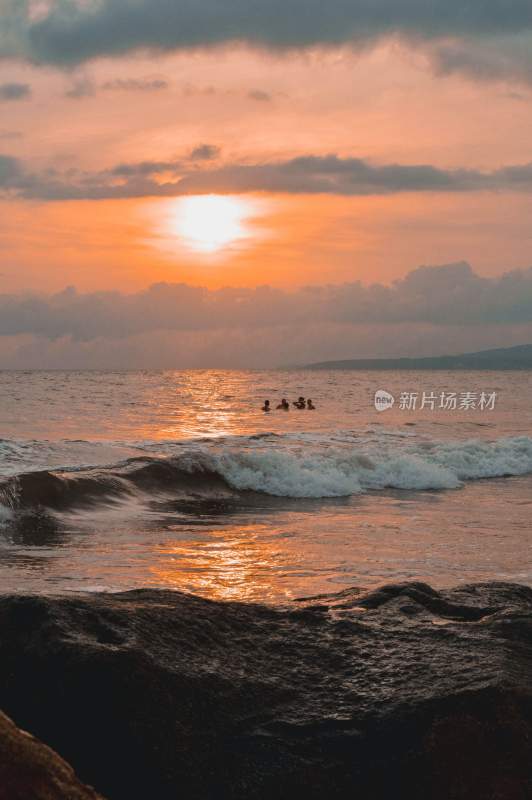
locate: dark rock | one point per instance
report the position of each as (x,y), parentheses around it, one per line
(29,770)
(403,692)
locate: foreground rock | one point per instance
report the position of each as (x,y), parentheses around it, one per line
(399,693)
(31,771)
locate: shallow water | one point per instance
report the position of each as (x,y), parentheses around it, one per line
(178,480)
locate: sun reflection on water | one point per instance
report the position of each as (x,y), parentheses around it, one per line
(235,566)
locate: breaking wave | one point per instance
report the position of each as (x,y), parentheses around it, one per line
(281,466)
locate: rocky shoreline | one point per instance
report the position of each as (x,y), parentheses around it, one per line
(29,770)
(402,692)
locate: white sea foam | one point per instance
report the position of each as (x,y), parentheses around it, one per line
(336,472)
(5,514)
(316,465)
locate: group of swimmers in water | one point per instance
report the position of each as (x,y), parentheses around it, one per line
(284,405)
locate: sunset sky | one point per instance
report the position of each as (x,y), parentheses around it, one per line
(242,144)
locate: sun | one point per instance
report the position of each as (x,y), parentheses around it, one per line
(210,223)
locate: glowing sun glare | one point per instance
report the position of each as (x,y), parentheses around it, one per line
(209,223)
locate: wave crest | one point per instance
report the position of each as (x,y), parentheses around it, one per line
(280,467)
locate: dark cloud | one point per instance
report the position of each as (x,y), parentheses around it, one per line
(205,152)
(450,295)
(329,175)
(260,95)
(304,175)
(85,87)
(191,90)
(14,91)
(501,59)
(483,39)
(10,171)
(73,32)
(145,168)
(135,85)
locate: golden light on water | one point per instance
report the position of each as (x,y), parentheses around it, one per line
(210,223)
(235,563)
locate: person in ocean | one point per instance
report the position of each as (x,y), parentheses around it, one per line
(266,406)
(284,405)
(310,405)
(299,403)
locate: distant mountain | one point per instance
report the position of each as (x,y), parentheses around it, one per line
(519,357)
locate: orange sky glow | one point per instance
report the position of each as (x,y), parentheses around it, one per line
(242,165)
(382,106)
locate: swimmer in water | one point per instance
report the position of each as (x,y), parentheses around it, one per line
(266,406)
(283,405)
(299,403)
(310,405)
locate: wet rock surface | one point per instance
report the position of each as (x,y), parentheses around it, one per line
(31,771)
(402,692)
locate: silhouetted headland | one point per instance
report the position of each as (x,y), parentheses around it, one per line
(506,358)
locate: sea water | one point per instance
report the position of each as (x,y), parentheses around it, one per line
(118,480)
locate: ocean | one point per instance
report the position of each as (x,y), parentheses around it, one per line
(118,480)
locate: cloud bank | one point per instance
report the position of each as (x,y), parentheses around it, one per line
(446,296)
(432,310)
(69,31)
(487,38)
(303,175)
